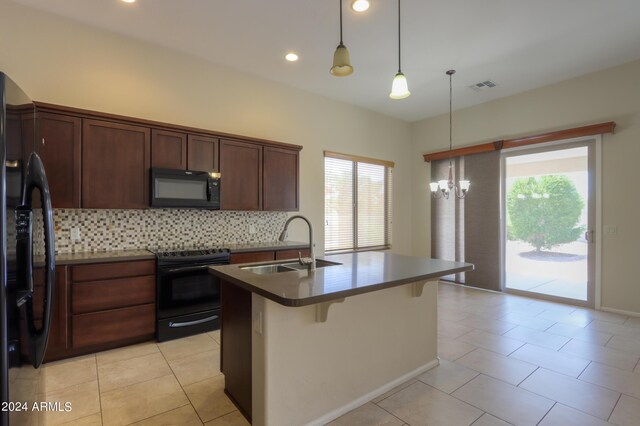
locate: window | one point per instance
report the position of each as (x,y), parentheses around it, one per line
(357,203)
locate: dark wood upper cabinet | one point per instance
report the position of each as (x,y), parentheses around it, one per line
(14,137)
(58,145)
(168,149)
(101,161)
(241,180)
(115,165)
(280,179)
(202,153)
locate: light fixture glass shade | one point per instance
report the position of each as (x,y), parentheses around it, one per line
(433,186)
(360,5)
(399,88)
(443,184)
(341,62)
(464,185)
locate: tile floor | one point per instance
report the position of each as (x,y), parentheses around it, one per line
(513,360)
(504,360)
(170,383)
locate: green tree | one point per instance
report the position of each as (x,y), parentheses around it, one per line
(545,211)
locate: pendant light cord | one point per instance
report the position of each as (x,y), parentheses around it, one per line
(399,51)
(450,117)
(340,22)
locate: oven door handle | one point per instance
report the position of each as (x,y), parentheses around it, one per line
(188,268)
(190,323)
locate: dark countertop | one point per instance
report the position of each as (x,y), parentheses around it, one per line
(143,254)
(358,273)
(98,257)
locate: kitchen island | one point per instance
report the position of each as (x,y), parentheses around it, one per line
(304,347)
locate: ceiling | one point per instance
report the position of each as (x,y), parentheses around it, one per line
(518,44)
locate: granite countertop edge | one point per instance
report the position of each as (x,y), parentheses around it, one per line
(331,295)
(111,256)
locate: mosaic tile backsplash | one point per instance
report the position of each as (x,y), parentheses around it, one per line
(157,229)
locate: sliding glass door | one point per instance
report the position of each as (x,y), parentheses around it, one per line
(548,205)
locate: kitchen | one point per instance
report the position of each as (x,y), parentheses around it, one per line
(105,76)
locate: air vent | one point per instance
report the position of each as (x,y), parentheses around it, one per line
(483,85)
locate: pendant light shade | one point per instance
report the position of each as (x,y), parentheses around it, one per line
(399,87)
(341,60)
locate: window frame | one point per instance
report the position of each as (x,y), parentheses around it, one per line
(388,200)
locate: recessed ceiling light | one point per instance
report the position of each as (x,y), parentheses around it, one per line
(129,1)
(291,57)
(360,5)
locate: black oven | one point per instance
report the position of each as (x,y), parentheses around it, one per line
(188,296)
(185,189)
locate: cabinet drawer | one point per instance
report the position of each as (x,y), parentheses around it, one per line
(100,328)
(291,254)
(92,296)
(105,271)
(257,256)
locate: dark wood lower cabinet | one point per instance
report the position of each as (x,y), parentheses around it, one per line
(236,348)
(291,254)
(115,293)
(97,307)
(254,256)
(113,326)
(59,341)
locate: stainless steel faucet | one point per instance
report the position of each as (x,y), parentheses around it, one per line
(310,262)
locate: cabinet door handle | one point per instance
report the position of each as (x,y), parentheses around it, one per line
(42,141)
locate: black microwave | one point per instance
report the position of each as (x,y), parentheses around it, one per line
(185,189)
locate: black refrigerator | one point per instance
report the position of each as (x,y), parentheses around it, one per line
(25,212)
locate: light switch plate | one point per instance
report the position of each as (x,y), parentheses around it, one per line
(611,230)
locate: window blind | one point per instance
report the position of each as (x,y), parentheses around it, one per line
(339,203)
(358,200)
(468,230)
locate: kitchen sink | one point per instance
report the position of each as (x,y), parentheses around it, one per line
(285,267)
(267,269)
(319,264)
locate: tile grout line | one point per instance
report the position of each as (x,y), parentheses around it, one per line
(384,409)
(545,414)
(536,369)
(181,387)
(127,359)
(583,370)
(614,407)
(99,391)
(571,406)
(568,341)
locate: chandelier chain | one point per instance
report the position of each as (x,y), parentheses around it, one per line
(450,117)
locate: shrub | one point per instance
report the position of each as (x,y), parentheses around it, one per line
(544,212)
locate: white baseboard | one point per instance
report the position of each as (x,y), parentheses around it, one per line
(373,394)
(620,311)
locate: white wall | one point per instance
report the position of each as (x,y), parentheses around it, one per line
(610,95)
(59,61)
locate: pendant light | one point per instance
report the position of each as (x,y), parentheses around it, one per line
(399,87)
(341,61)
(444,187)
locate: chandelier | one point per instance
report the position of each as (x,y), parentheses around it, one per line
(444,187)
